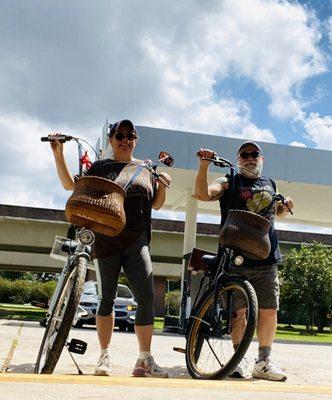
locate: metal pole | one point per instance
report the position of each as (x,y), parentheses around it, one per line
(80,154)
(189,241)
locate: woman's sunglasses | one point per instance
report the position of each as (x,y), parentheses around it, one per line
(253,154)
(130,136)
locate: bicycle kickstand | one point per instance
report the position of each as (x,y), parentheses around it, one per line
(76,346)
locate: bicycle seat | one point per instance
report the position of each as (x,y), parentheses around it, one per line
(69,246)
(209,261)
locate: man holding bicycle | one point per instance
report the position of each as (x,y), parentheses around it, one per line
(251,192)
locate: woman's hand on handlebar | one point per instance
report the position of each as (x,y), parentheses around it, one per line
(56,144)
(205,153)
(164,179)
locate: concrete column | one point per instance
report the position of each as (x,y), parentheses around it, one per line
(189,241)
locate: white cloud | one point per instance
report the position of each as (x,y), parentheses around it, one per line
(227,117)
(28,174)
(329,29)
(297,144)
(273,43)
(21,194)
(159,65)
(162,64)
(319,130)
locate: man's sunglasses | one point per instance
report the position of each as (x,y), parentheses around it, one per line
(130,136)
(253,154)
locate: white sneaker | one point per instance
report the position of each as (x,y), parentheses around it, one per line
(104,366)
(149,369)
(242,369)
(267,369)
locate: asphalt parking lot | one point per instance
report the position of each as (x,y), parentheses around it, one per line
(309,368)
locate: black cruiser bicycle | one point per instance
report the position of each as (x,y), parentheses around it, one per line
(209,348)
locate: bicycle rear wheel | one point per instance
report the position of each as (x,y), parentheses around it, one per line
(60,322)
(209,347)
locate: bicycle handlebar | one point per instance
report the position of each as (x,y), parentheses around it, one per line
(217,161)
(223,163)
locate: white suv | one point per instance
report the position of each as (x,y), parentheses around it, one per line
(124,307)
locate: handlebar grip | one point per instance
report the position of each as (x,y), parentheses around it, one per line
(60,138)
(199,154)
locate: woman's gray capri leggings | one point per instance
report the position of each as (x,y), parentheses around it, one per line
(137,266)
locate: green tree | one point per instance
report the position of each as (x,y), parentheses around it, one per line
(307,283)
(173,300)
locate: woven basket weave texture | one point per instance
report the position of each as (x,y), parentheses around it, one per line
(248,233)
(97,204)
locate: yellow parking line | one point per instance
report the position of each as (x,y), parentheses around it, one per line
(10,354)
(251,386)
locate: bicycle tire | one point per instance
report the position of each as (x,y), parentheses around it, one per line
(218,366)
(56,334)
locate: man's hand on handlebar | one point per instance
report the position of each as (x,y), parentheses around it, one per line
(288,204)
(205,153)
(285,205)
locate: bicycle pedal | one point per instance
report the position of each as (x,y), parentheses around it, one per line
(179,350)
(77,346)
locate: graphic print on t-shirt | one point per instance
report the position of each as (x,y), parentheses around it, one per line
(257,198)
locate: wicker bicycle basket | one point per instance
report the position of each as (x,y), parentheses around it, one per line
(97,204)
(248,233)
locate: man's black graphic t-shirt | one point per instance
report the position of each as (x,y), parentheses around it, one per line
(137,205)
(253,195)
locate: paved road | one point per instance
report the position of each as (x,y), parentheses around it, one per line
(309,369)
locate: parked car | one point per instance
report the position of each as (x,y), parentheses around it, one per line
(124,307)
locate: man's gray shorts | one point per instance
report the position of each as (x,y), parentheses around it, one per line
(265,282)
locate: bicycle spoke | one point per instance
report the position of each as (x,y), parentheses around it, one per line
(214,353)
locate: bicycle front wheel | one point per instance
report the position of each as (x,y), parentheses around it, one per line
(209,349)
(60,321)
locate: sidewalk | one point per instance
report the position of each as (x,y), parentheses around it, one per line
(306,364)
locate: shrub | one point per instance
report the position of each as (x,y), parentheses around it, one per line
(22,291)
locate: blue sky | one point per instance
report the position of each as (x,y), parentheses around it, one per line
(315,93)
(251,69)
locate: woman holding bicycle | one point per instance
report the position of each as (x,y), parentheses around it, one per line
(255,193)
(129,249)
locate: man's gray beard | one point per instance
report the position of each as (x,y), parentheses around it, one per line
(252,171)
